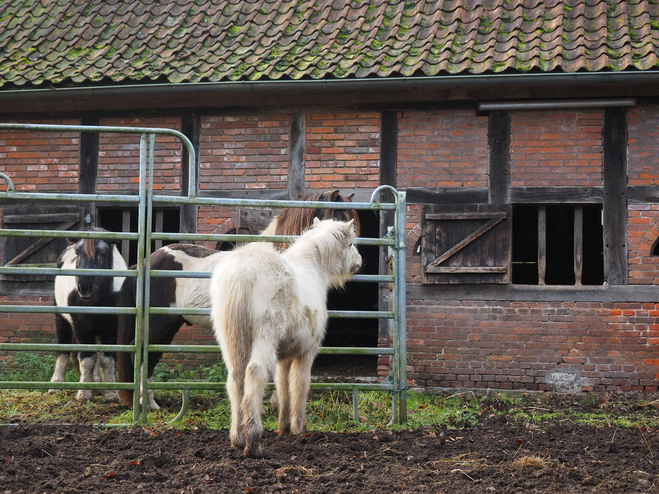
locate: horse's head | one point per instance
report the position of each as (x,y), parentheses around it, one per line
(294,221)
(92,253)
(335,214)
(336,249)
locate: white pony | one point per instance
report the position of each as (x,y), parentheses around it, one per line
(269,311)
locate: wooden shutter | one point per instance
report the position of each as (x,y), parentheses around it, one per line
(466,243)
(42,251)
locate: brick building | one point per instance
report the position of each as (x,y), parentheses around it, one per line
(528,128)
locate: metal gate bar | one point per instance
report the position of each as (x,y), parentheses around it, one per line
(145,201)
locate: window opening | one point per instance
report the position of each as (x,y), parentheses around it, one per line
(655,248)
(558,244)
(165,220)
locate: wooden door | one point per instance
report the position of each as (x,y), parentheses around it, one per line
(466,243)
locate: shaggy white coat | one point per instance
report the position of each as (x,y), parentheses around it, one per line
(269,311)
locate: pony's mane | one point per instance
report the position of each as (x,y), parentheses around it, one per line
(296,221)
(322,241)
(90,244)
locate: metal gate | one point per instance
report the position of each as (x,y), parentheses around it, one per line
(396,384)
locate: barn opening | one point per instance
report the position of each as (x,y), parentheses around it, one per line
(166,220)
(556,225)
(353,332)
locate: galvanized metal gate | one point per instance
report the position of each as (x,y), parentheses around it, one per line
(396,384)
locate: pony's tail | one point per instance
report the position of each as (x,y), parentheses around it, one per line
(126,336)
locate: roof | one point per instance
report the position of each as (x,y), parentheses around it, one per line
(85,42)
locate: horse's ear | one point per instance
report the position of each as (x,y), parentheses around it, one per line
(349,197)
(334,195)
(315,222)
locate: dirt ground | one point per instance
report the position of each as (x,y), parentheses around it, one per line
(496,456)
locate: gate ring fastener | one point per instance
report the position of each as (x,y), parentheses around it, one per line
(10,185)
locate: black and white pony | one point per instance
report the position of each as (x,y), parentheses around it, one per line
(269,308)
(77,291)
(194,292)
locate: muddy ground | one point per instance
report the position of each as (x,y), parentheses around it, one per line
(496,456)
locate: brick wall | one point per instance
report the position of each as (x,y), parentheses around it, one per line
(519,345)
(442,148)
(244,152)
(342,150)
(642,150)
(643,232)
(25,327)
(556,148)
(119,157)
(41,161)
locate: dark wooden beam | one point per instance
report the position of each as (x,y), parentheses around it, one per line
(388,176)
(88,174)
(556,195)
(191,128)
(538,293)
(614,140)
(516,195)
(498,139)
(296,167)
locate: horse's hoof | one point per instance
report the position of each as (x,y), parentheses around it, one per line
(237,442)
(253,451)
(53,391)
(84,395)
(111,396)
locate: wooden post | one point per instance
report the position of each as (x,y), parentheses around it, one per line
(388,176)
(542,244)
(578,244)
(499,166)
(614,181)
(296,154)
(191,128)
(89,142)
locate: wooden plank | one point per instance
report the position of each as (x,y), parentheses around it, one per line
(516,195)
(542,244)
(556,195)
(296,165)
(464,216)
(466,269)
(614,179)
(578,245)
(643,194)
(433,195)
(41,218)
(39,244)
(499,162)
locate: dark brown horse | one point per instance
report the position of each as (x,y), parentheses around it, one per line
(194,292)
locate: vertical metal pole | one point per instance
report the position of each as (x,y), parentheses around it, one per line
(147,277)
(401,304)
(139,291)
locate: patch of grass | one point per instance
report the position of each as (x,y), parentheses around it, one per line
(31,366)
(326,411)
